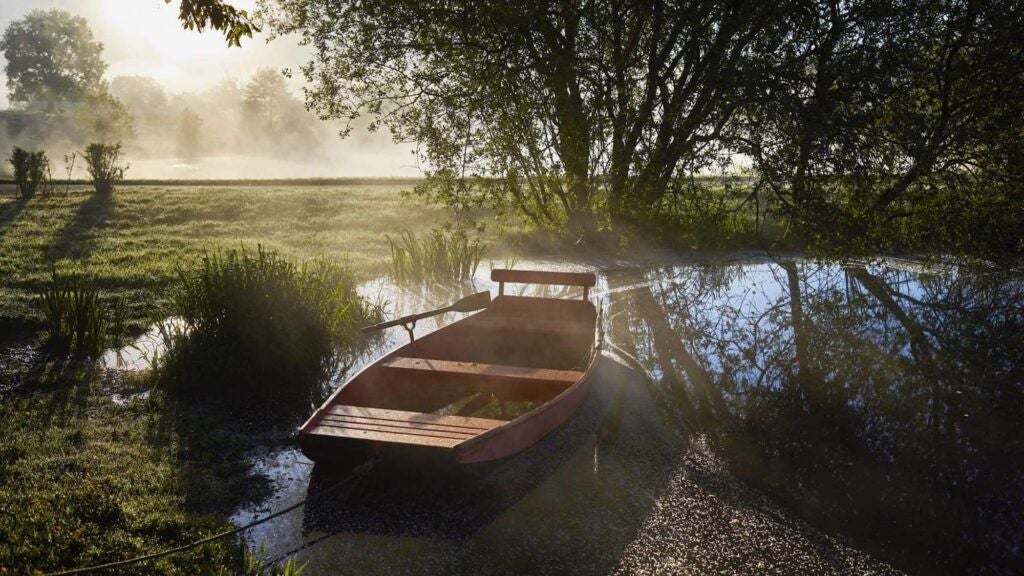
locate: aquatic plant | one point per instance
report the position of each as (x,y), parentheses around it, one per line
(256,329)
(439,256)
(75,318)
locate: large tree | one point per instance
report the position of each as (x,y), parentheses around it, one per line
(52,59)
(552,110)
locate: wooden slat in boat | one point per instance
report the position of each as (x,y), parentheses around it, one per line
(532,325)
(398,426)
(481,371)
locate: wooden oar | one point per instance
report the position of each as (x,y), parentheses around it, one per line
(470,303)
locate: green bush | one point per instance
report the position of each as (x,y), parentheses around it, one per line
(257,330)
(440,256)
(76,320)
(105,165)
(31,170)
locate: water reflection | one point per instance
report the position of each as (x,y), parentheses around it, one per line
(881,402)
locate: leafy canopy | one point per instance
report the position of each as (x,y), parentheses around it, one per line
(549,111)
(52,59)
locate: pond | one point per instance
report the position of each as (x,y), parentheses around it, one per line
(762,415)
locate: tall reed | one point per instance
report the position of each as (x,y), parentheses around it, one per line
(76,320)
(253,328)
(439,256)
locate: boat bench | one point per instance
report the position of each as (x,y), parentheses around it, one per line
(531,325)
(487,375)
(398,426)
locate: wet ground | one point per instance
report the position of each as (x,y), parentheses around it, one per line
(760,416)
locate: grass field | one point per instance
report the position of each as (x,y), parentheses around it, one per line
(130,242)
(92,472)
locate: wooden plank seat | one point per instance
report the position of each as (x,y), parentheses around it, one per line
(531,325)
(508,383)
(479,371)
(397,426)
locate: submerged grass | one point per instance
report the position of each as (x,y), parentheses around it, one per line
(439,256)
(258,330)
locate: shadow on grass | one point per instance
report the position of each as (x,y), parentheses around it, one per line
(9,214)
(76,239)
(117,472)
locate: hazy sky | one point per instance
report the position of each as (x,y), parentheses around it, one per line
(145,38)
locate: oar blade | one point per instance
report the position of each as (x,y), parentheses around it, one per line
(470,303)
(473,302)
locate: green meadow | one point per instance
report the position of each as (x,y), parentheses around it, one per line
(129,243)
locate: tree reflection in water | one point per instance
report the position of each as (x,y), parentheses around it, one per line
(881,401)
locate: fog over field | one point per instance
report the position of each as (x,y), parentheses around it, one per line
(199,108)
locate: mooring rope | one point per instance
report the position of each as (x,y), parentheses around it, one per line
(362,470)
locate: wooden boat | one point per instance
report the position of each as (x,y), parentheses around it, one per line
(522,361)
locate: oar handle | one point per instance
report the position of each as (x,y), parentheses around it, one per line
(468,304)
(405,320)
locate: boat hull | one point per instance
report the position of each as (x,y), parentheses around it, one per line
(444,396)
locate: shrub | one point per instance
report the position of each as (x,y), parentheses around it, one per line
(31,170)
(440,256)
(256,329)
(105,165)
(75,318)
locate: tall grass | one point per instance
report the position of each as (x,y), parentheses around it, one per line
(439,256)
(76,320)
(255,329)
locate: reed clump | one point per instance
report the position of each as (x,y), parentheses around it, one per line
(440,256)
(255,329)
(75,318)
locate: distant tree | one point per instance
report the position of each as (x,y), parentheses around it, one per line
(218,15)
(274,117)
(266,98)
(52,59)
(553,111)
(190,135)
(103,118)
(141,95)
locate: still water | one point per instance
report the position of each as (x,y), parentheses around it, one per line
(758,416)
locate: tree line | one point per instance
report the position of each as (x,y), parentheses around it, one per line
(56,84)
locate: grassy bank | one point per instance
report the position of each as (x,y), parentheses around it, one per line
(130,242)
(93,467)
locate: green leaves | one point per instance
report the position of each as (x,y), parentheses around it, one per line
(52,59)
(234,23)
